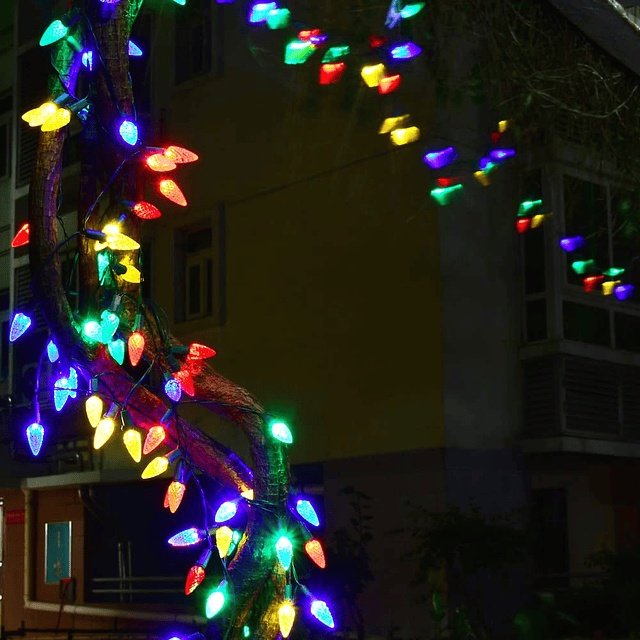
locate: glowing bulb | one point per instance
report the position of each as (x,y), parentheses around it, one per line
(224,536)
(92,330)
(527,207)
(388,84)
(389,124)
(281,432)
(439,159)
(155,437)
(248,494)
(185,381)
(173,390)
(136,344)
(609,286)
(523,225)
(170,190)
(446,195)
(194,579)
(297,52)
(306,510)
(35,436)
(405,51)
(116,349)
(20,323)
(501,154)
(331,72)
(60,393)
(22,237)
(260,11)
(284,551)
(482,178)
(180,155)
(200,351)
(410,10)
(40,115)
(371,74)
(583,266)
(286,616)
(109,323)
(87,59)
(146,211)
(376,41)
(278,18)
(54,32)
(117,241)
(133,444)
(52,351)
(155,467)
(335,53)
(103,432)
(624,292)
(226,511)
(315,552)
(173,497)
(185,538)
(215,602)
(94,407)
(159,162)
(131,274)
(59,119)
(134,50)
(573,244)
(320,611)
(129,132)
(405,136)
(246,632)
(613,272)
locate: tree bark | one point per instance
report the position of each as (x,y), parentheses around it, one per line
(256,585)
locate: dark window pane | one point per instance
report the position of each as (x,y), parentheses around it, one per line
(585,209)
(534,276)
(209,286)
(536,320)
(199,240)
(4,356)
(193,40)
(4,150)
(627,332)
(585,324)
(549,524)
(4,300)
(194,289)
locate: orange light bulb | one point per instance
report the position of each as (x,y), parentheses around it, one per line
(180,155)
(155,437)
(170,190)
(173,497)
(315,552)
(136,347)
(159,162)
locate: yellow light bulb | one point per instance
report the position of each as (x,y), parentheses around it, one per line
(155,468)
(59,119)
(248,494)
(224,536)
(104,431)
(405,136)
(38,116)
(286,616)
(389,124)
(609,286)
(131,274)
(120,242)
(503,125)
(372,74)
(133,443)
(537,220)
(93,406)
(482,178)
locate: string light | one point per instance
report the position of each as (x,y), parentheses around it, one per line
(321,612)
(52,351)
(135,346)
(372,74)
(200,351)
(315,552)
(173,390)
(35,437)
(278,18)
(133,49)
(224,536)
(286,616)
(185,538)
(156,467)
(389,84)
(170,190)
(400,137)
(116,349)
(22,237)
(60,393)
(180,155)
(280,431)
(441,158)
(94,407)
(159,162)
(133,444)
(155,437)
(226,511)
(298,52)
(405,51)
(446,195)
(19,324)
(573,244)
(215,601)
(129,132)
(260,11)
(624,292)
(284,551)
(103,432)
(335,53)
(174,495)
(331,72)
(305,510)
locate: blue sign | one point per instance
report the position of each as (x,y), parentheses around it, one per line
(57,551)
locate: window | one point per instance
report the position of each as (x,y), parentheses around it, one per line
(5,147)
(194,40)
(200,270)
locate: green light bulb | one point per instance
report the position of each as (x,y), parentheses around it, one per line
(335,53)
(583,266)
(298,51)
(526,208)
(116,349)
(284,551)
(92,330)
(411,9)
(281,432)
(445,195)
(245,631)
(54,32)
(613,272)
(215,601)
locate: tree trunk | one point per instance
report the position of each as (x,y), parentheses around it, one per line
(254,580)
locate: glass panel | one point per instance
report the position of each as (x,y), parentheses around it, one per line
(209,286)
(534,276)
(4,150)
(4,354)
(585,324)
(627,332)
(585,210)
(193,287)
(536,320)
(199,240)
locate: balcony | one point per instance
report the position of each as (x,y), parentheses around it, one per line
(580,405)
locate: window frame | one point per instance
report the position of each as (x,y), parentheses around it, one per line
(5,121)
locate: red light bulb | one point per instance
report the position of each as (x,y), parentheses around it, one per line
(448,182)
(331,72)
(377,41)
(173,497)
(523,225)
(315,552)
(136,347)
(180,155)
(146,211)
(22,237)
(170,190)
(388,84)
(155,437)
(496,136)
(159,162)
(307,34)
(186,381)
(200,351)
(195,577)
(591,283)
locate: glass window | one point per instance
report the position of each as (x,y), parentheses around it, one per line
(585,210)
(627,329)
(193,49)
(586,324)
(536,320)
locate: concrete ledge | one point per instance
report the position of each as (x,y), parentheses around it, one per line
(570,444)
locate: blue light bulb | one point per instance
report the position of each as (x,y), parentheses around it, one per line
(281,432)
(35,436)
(173,390)
(129,132)
(87,59)
(405,51)
(306,510)
(226,511)
(320,611)
(134,49)
(52,351)
(60,393)
(19,325)
(73,382)
(260,11)
(185,538)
